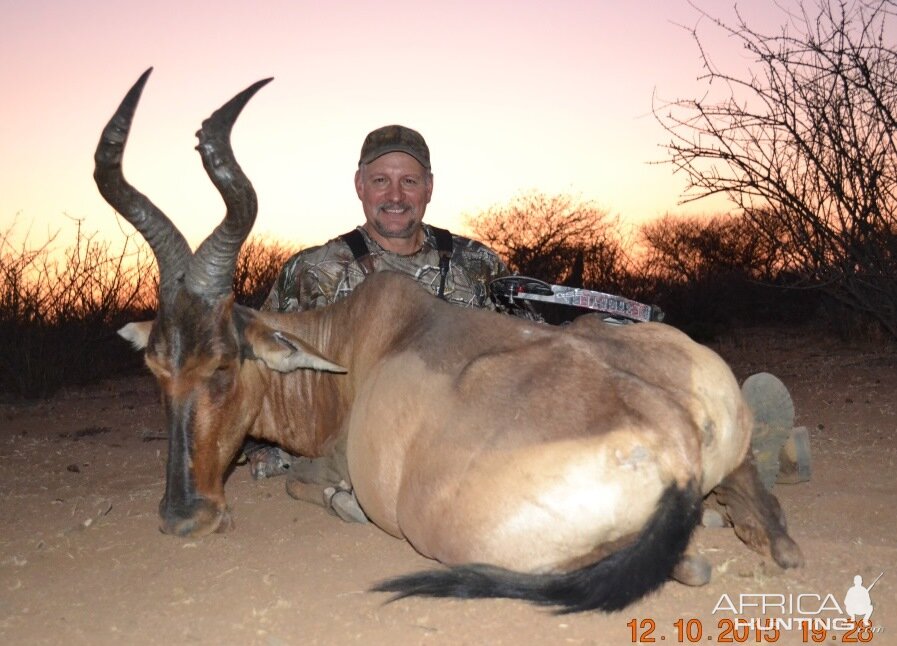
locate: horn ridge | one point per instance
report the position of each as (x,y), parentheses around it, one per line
(211,271)
(168,244)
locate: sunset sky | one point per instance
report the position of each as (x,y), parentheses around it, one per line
(511,96)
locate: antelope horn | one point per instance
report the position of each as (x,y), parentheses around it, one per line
(168,244)
(211,272)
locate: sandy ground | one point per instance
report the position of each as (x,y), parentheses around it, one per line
(82,562)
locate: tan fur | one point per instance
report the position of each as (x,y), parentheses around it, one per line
(470,433)
(478,437)
(506,430)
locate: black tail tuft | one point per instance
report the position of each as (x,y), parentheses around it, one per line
(609,584)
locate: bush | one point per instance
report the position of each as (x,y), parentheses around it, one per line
(59,311)
(555,238)
(803,141)
(713,274)
(257,267)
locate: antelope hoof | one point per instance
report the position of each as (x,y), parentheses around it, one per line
(207,518)
(693,570)
(344,504)
(773,542)
(786,552)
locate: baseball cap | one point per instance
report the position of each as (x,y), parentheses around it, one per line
(389,139)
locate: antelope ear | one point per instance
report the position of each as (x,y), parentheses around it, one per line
(283,351)
(137,333)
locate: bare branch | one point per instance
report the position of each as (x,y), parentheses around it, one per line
(803,143)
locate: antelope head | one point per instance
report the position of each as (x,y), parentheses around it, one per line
(199,341)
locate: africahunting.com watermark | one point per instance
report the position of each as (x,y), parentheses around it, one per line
(809,617)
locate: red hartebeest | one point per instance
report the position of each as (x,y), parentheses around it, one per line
(561,465)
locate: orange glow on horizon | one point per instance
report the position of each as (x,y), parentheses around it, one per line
(511,97)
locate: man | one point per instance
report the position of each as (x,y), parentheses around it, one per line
(394,183)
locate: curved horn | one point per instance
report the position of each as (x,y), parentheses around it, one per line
(211,272)
(168,244)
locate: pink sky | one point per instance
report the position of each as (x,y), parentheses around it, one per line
(511,96)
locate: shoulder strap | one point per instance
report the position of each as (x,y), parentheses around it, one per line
(359,250)
(444,241)
(445,246)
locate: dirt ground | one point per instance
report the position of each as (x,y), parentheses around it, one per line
(82,561)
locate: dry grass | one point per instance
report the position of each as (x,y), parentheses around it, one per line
(60,309)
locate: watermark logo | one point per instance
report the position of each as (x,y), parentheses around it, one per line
(808,612)
(765,617)
(857,601)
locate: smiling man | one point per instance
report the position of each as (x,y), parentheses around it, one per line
(394,188)
(394,182)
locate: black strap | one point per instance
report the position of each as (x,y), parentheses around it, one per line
(359,250)
(444,241)
(445,246)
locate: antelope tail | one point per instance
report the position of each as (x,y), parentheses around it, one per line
(609,584)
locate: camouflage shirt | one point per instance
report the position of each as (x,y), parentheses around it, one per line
(322,275)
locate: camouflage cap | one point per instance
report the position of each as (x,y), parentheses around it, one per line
(389,139)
